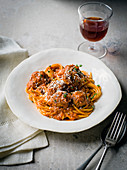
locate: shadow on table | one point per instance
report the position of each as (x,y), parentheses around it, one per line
(87,141)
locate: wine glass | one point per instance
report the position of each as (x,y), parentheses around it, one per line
(94,22)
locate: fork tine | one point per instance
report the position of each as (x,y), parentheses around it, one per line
(115,124)
(117,127)
(112,125)
(120,129)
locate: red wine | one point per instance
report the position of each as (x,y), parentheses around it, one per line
(94,30)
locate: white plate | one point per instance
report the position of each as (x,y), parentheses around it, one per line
(23,108)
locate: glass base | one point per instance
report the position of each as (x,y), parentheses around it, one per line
(96,49)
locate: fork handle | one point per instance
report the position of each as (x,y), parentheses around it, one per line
(84,165)
(102,157)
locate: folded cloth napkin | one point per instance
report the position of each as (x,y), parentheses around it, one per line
(17,140)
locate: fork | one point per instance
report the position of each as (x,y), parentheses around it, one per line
(115,130)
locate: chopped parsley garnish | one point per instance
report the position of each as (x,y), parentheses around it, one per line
(75,69)
(49,65)
(93,95)
(65,95)
(48,71)
(98,85)
(69,71)
(77,65)
(41,75)
(93,106)
(72,87)
(80,65)
(55,100)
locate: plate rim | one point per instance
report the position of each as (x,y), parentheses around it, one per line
(65,49)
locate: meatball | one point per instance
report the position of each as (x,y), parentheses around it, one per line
(51,88)
(67,78)
(38,78)
(54,86)
(73,77)
(79,98)
(61,99)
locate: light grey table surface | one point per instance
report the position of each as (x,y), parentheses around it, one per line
(42,24)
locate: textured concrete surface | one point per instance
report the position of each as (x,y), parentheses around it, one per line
(41,24)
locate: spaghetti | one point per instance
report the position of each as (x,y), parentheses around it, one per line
(63,93)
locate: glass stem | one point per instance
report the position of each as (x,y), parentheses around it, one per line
(92,46)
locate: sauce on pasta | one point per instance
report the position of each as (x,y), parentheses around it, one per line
(63,93)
